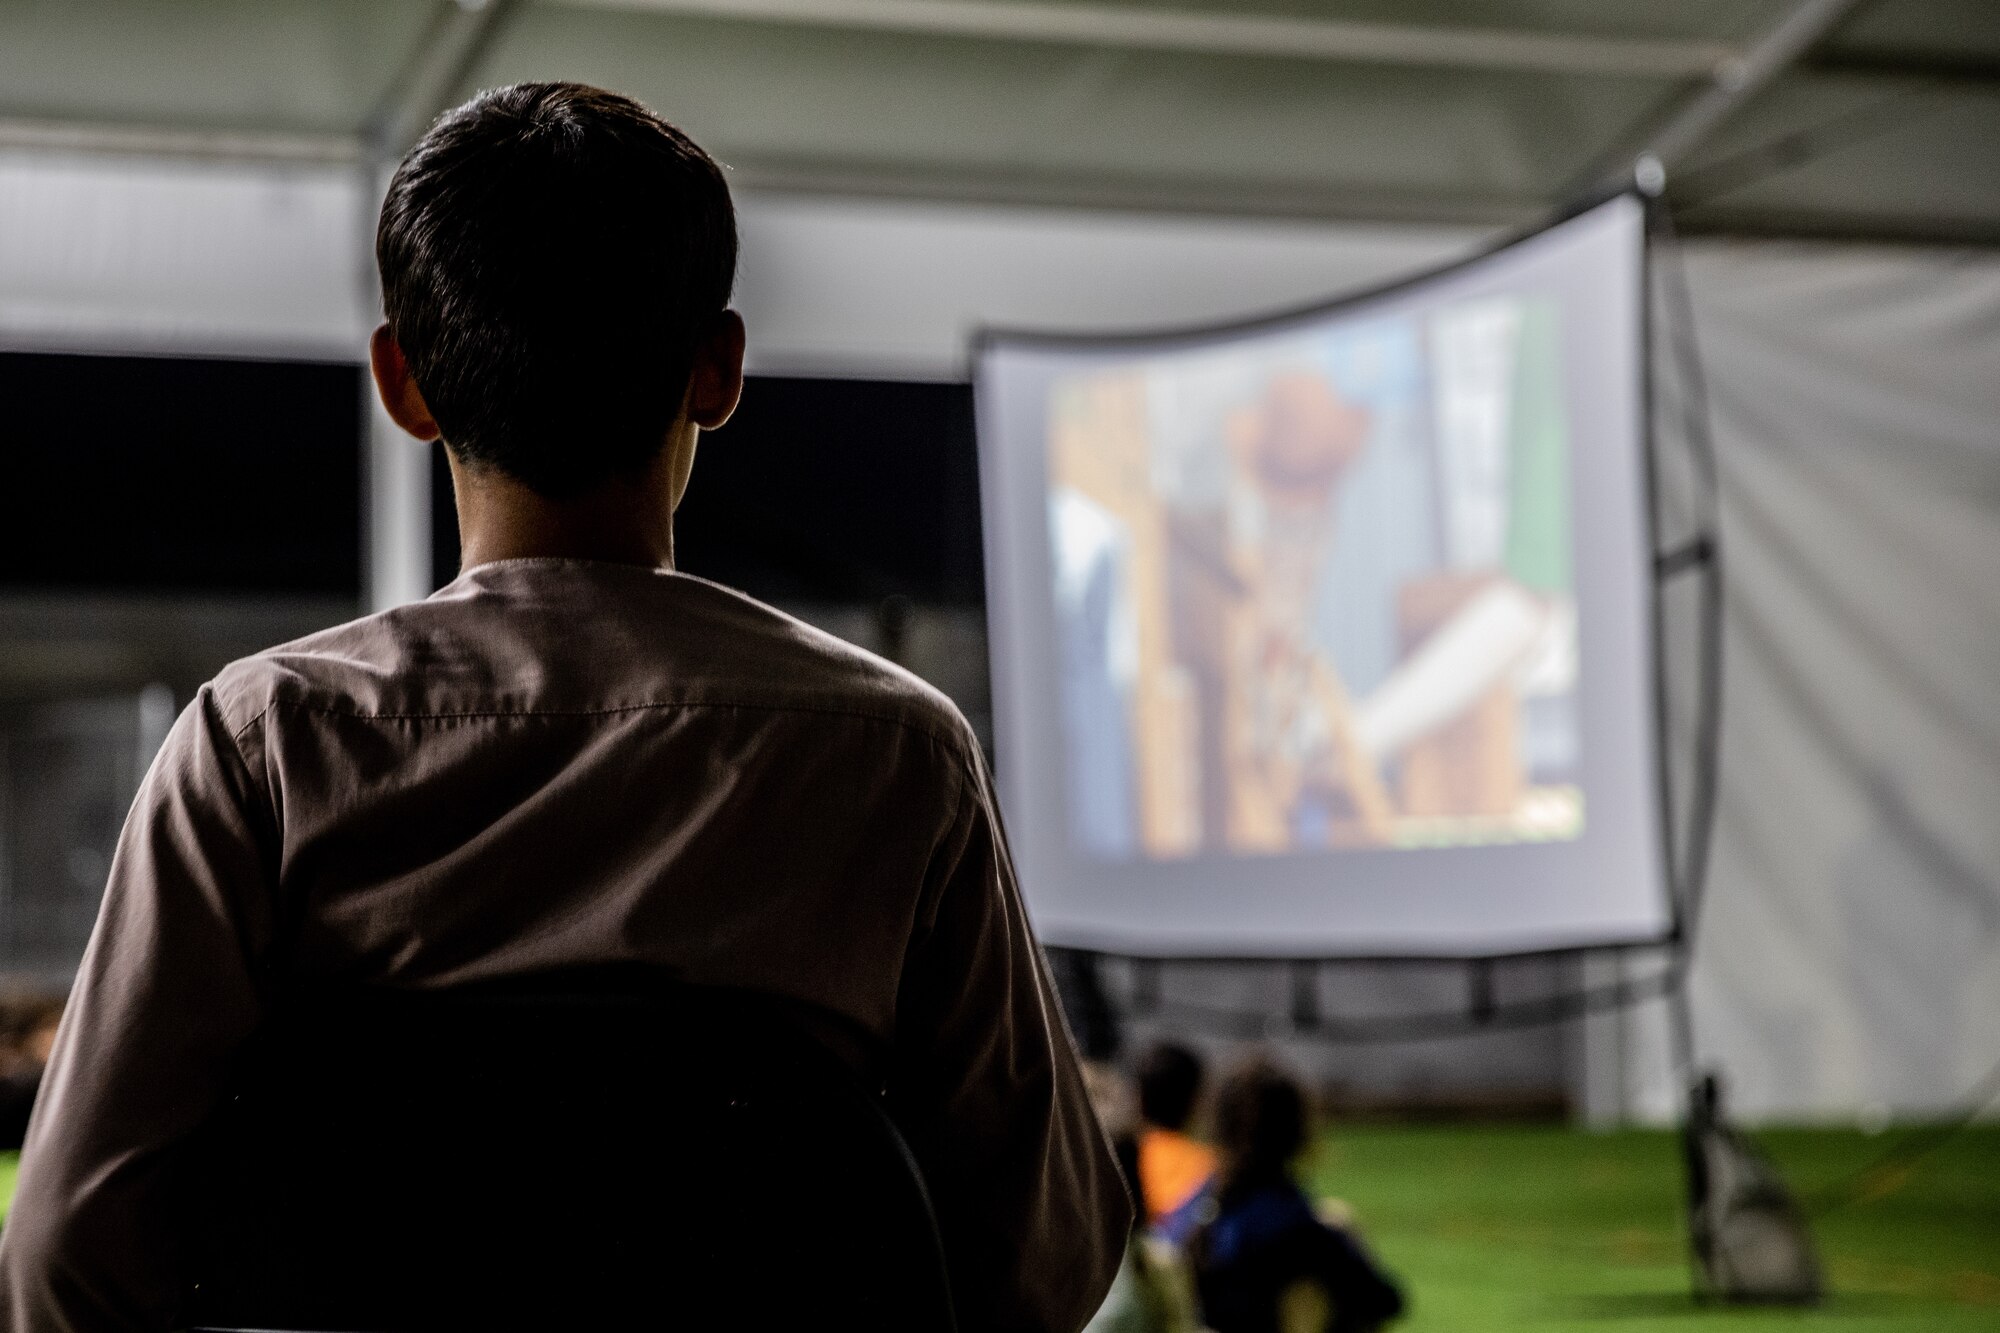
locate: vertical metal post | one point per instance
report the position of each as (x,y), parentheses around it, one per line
(1479,997)
(1622,1042)
(398,487)
(1305,995)
(1145,985)
(396,498)
(399,511)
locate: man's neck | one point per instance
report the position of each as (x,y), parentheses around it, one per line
(624,522)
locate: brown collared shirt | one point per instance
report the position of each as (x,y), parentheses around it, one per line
(549,763)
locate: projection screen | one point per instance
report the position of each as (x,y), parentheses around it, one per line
(1331,636)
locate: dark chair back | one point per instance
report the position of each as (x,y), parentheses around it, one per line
(596,1150)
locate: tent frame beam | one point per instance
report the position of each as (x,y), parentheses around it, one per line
(438,67)
(99,138)
(1669,135)
(1136,28)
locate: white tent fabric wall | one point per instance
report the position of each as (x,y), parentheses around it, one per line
(1850,956)
(140,255)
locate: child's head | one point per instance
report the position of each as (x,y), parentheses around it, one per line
(1169,1083)
(1260,1120)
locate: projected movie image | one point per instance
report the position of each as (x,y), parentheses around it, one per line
(1314,590)
(1331,634)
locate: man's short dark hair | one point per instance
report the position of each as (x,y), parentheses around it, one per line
(1169,1082)
(551,256)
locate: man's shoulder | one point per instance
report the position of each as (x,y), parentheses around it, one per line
(769,654)
(685,642)
(328,668)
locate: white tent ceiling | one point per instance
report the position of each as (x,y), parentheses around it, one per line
(1835,117)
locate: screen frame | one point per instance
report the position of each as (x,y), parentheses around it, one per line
(1660,826)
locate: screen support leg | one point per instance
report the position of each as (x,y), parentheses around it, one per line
(1479,984)
(1145,985)
(1305,996)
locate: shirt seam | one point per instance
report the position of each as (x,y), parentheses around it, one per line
(931,895)
(236,736)
(261,784)
(566,562)
(940,736)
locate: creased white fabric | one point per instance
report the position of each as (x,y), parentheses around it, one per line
(1850,956)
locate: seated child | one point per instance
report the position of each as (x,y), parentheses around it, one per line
(1173,1167)
(1264,1262)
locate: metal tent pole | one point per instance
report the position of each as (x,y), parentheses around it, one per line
(397,497)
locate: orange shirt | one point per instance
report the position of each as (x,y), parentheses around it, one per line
(1172,1167)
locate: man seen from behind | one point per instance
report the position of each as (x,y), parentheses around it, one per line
(570,755)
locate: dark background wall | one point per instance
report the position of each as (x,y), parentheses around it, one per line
(174,475)
(824,491)
(179,474)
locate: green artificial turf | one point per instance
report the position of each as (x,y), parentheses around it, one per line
(1561,1231)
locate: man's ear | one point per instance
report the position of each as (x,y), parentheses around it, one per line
(715,382)
(401,397)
